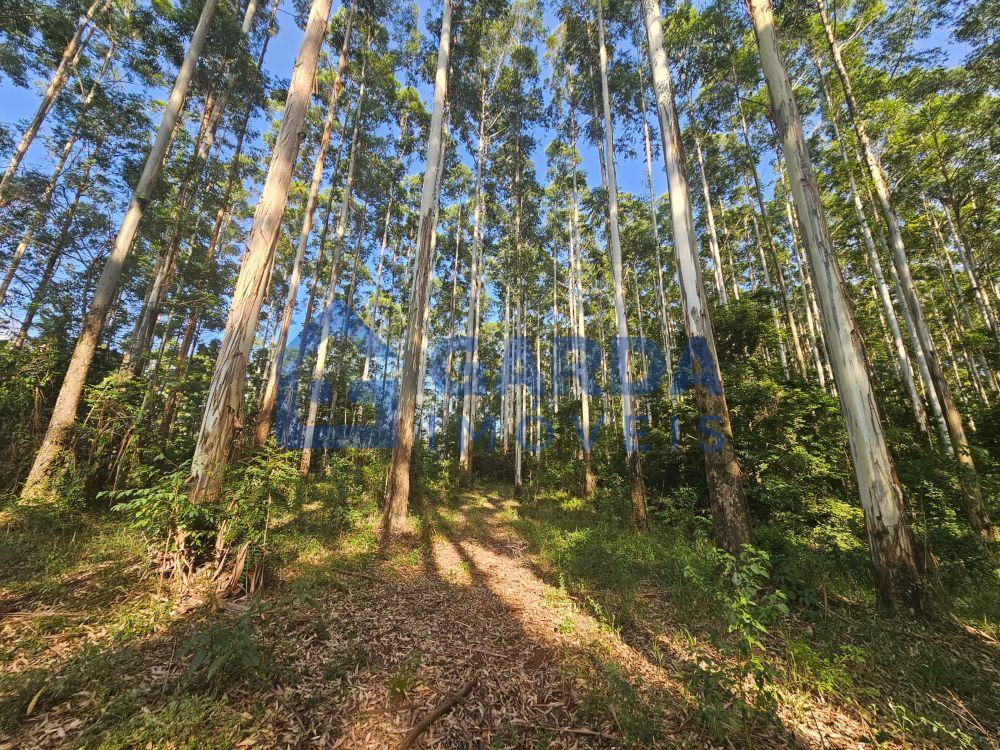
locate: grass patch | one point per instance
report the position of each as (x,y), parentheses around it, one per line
(936,683)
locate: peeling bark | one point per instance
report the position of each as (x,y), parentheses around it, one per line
(889,537)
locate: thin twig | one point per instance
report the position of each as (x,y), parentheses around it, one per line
(440,710)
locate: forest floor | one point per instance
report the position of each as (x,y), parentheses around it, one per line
(558,633)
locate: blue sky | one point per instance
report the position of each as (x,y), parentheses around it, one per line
(20,103)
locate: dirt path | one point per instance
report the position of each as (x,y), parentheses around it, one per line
(474,610)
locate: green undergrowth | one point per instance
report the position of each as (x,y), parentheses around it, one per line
(754,641)
(772,634)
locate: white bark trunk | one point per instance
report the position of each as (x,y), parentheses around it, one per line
(398,486)
(270,394)
(713,236)
(629,427)
(729,511)
(336,263)
(467,427)
(225,395)
(660,287)
(881,495)
(70,58)
(975,507)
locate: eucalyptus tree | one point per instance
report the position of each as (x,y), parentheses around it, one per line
(45,202)
(490,95)
(100,121)
(975,506)
(508,253)
(713,69)
(943,142)
(202,277)
(729,511)
(37,487)
(588,51)
(889,536)
(68,63)
(412,120)
(265,415)
(398,485)
(902,355)
(59,244)
(376,92)
(228,379)
(214,101)
(565,179)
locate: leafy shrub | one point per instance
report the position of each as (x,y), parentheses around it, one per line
(162,507)
(162,511)
(226,652)
(27,378)
(251,489)
(738,692)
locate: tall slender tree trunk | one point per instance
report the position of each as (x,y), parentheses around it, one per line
(352,286)
(45,203)
(538,391)
(318,263)
(520,374)
(446,395)
(518,365)
(37,487)
(70,58)
(398,491)
(729,511)
(881,495)
(422,370)
(955,224)
(554,340)
(975,505)
(810,320)
(249,14)
(336,263)
(660,286)
(265,417)
(467,429)
(372,312)
(224,212)
(166,264)
(982,301)
(234,165)
(629,427)
(713,236)
(55,255)
(772,251)
(905,365)
(221,220)
(476,332)
(734,273)
(643,359)
(759,241)
(225,395)
(506,366)
(584,375)
(972,366)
